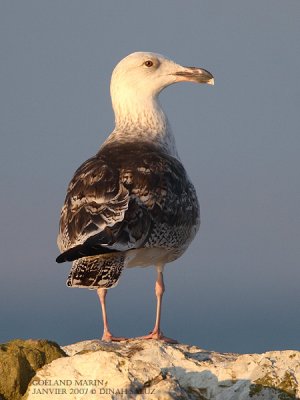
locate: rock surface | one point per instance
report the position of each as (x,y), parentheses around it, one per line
(19,361)
(154,370)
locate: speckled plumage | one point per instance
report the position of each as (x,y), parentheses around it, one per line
(129,196)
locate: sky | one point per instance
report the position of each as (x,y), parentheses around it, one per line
(236,289)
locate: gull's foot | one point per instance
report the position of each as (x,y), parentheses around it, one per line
(158,336)
(108,337)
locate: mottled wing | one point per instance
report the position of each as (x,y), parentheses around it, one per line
(128,196)
(164,187)
(95,201)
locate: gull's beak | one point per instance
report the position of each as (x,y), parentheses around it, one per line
(194,74)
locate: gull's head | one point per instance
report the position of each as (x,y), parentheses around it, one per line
(144,75)
(136,82)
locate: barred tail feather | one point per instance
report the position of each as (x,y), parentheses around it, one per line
(102,271)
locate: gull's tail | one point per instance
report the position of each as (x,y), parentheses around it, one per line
(101,271)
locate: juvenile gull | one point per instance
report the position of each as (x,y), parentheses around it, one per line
(132,204)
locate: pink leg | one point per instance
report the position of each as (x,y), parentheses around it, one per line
(107,335)
(159,291)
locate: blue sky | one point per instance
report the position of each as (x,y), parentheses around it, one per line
(237,287)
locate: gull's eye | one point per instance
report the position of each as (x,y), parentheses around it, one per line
(148,63)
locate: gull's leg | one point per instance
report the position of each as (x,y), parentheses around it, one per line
(159,291)
(107,335)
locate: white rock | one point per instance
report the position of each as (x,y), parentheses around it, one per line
(154,370)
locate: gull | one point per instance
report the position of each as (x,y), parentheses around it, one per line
(132,204)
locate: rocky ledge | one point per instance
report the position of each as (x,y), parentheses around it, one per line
(153,370)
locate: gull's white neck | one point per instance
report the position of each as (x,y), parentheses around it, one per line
(142,119)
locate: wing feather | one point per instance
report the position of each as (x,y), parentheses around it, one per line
(122,198)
